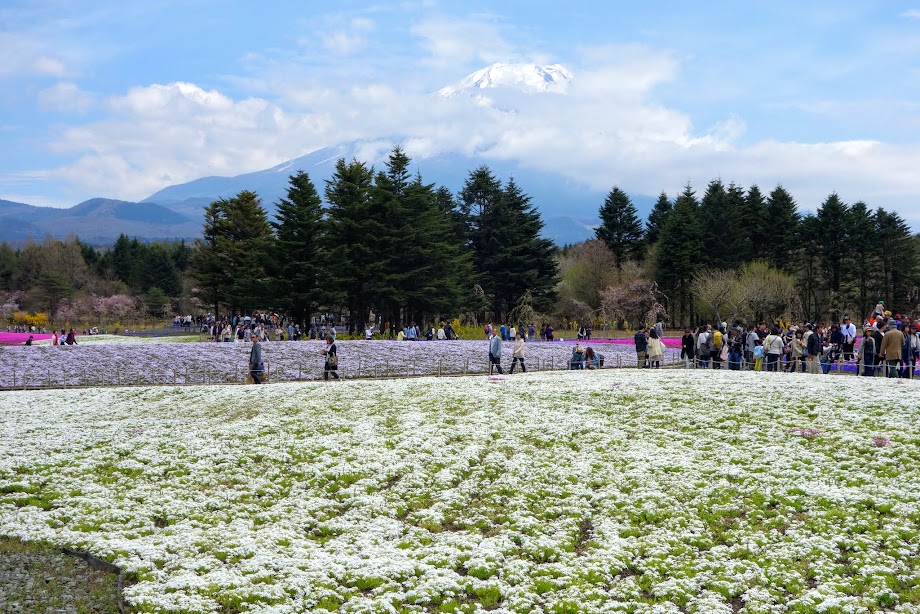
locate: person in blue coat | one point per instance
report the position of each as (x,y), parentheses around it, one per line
(495,353)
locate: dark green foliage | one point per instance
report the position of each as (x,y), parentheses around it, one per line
(156,302)
(248,245)
(355,227)
(657,218)
(725,245)
(8,260)
(53,288)
(754,223)
(620,228)
(781,234)
(233,255)
(861,263)
(509,256)
(159,271)
(897,270)
(680,252)
(299,258)
(830,239)
(209,265)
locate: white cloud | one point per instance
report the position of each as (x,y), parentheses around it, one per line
(65,97)
(351,39)
(31,56)
(911,14)
(457,42)
(607,130)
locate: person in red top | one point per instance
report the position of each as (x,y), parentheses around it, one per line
(72,337)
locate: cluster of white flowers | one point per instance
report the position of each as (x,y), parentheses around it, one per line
(612,491)
(102,363)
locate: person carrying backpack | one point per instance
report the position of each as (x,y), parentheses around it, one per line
(716,342)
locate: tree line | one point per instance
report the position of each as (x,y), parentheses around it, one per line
(53,276)
(731,247)
(384,243)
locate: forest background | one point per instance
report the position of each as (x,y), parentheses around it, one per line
(384,244)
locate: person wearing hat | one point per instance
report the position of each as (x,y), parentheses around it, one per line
(890,351)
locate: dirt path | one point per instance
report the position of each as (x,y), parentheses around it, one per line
(38,579)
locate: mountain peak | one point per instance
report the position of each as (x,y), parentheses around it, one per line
(529,78)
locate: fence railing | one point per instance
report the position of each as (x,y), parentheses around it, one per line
(299,371)
(289,371)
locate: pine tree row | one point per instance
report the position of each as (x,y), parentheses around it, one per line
(383,243)
(845,258)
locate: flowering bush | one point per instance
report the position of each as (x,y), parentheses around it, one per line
(552,493)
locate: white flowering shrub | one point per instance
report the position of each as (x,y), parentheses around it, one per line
(610,491)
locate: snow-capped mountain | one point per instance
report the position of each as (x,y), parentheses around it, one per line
(529,78)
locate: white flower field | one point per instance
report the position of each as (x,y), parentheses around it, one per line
(554,492)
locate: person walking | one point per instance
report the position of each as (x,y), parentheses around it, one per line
(72,337)
(332,359)
(495,353)
(256,366)
(517,353)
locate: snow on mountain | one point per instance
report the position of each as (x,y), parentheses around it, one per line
(530,78)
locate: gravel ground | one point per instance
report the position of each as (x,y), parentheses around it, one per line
(39,579)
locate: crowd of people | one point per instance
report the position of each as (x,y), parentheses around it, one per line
(886,344)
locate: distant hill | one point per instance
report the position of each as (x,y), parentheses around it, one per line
(96,221)
(568,208)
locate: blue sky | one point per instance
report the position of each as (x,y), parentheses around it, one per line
(119,99)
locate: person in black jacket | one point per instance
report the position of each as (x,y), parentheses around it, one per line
(687,347)
(332,359)
(641,348)
(812,349)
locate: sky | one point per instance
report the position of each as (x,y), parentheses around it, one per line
(120,99)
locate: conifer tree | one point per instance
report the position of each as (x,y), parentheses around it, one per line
(830,240)
(355,265)
(897,259)
(158,271)
(480,203)
(210,263)
(735,247)
(533,258)
(247,246)
(782,230)
(861,280)
(713,212)
(299,260)
(753,222)
(680,252)
(620,228)
(510,258)
(657,218)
